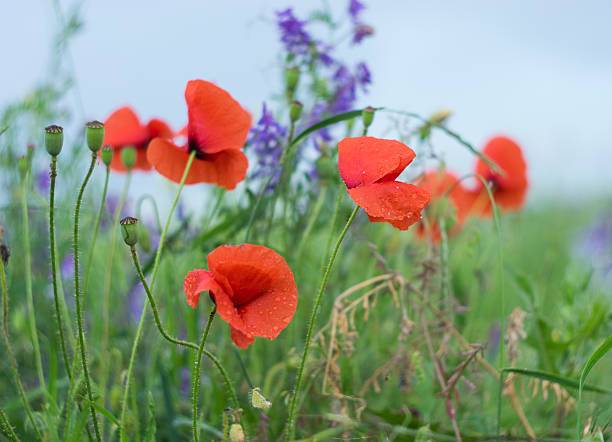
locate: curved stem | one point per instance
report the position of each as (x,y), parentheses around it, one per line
(79,304)
(146,305)
(9,350)
(141,200)
(298,382)
(28,281)
(196,376)
(151,301)
(96,227)
(58,314)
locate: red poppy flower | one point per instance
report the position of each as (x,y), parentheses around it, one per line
(123,128)
(509,190)
(452,206)
(369,167)
(253,288)
(216,131)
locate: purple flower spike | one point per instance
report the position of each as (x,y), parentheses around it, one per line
(355,8)
(293,35)
(43,181)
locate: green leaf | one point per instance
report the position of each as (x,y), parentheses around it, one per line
(599,353)
(566,382)
(324,123)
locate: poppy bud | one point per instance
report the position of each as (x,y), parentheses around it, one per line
(258,400)
(144,238)
(129,230)
(128,156)
(22,165)
(295,111)
(236,433)
(4,253)
(107,155)
(367,116)
(292,77)
(94,131)
(441,116)
(54,139)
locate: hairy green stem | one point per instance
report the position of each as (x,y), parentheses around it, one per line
(146,305)
(313,317)
(196,376)
(28,281)
(6,427)
(79,302)
(60,326)
(9,350)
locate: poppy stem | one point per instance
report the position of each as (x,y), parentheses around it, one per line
(9,350)
(79,303)
(298,382)
(58,314)
(196,376)
(28,281)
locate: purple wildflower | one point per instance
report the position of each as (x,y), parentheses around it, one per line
(67,266)
(595,247)
(355,8)
(43,180)
(293,35)
(363,76)
(266,139)
(136,299)
(361,31)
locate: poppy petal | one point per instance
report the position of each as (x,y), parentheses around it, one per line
(123,128)
(240,339)
(509,157)
(366,160)
(226,168)
(217,122)
(397,203)
(196,282)
(158,128)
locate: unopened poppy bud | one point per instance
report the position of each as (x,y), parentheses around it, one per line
(292,77)
(54,139)
(129,230)
(258,400)
(128,156)
(22,165)
(236,433)
(94,131)
(107,155)
(441,116)
(367,116)
(144,238)
(295,111)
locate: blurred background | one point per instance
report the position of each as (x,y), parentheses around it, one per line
(537,71)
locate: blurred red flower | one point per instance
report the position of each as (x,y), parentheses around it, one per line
(369,167)
(216,130)
(253,288)
(454,206)
(509,191)
(123,128)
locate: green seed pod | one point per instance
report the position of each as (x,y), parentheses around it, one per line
(54,139)
(292,77)
(94,131)
(295,111)
(236,433)
(367,116)
(128,156)
(107,155)
(129,230)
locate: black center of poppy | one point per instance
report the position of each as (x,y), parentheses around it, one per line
(192,145)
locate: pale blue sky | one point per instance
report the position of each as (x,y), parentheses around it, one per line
(538,71)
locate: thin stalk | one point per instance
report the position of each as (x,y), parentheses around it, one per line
(60,326)
(79,304)
(298,383)
(6,427)
(9,350)
(96,227)
(28,271)
(196,376)
(316,211)
(146,305)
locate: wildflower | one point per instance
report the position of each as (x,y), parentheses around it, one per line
(123,129)
(360,32)
(452,207)
(369,167)
(355,8)
(266,139)
(508,191)
(293,35)
(216,130)
(43,180)
(253,288)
